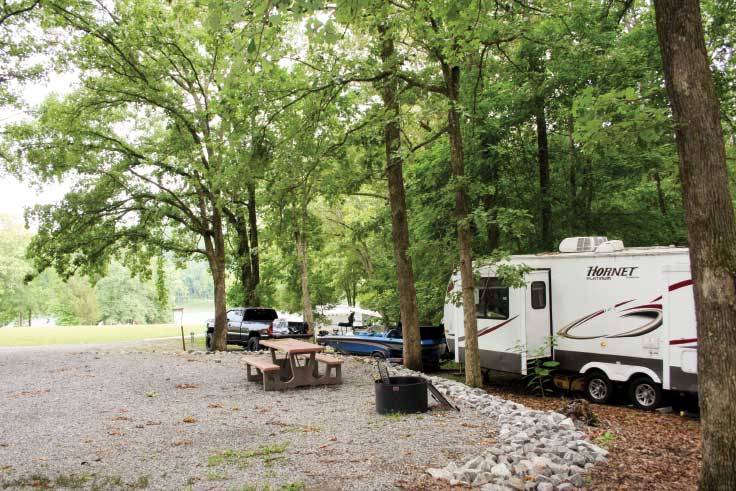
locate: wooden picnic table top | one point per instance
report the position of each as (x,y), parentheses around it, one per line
(292,346)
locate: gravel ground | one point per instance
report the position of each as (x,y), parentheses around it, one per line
(129,416)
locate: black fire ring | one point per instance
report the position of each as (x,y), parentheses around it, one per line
(401,395)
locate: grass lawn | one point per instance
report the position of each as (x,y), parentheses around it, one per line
(41,336)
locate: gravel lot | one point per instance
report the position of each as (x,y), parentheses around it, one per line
(148,417)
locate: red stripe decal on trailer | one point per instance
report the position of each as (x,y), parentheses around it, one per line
(657,299)
(683,341)
(498,326)
(680,284)
(648,306)
(624,303)
(565,331)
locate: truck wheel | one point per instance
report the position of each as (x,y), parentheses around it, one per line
(645,394)
(377,355)
(254,343)
(598,388)
(208,341)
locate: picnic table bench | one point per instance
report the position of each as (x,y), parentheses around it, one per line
(266,371)
(331,363)
(300,366)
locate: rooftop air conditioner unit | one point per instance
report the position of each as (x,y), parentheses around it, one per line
(610,246)
(581,244)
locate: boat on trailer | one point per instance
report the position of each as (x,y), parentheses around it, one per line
(388,344)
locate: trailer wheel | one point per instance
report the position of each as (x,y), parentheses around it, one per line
(254,343)
(598,388)
(645,394)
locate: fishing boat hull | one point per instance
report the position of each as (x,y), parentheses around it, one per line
(389,348)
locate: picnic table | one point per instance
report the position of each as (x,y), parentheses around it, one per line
(299,366)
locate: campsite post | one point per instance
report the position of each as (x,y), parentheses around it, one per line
(178,313)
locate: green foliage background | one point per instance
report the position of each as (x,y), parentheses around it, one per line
(292,108)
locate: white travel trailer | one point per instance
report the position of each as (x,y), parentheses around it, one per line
(617,316)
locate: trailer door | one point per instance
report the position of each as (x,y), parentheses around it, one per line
(538,318)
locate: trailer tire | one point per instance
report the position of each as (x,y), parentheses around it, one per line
(598,388)
(254,344)
(645,394)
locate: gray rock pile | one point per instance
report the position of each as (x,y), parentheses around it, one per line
(534,450)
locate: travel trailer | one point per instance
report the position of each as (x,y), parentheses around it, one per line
(618,316)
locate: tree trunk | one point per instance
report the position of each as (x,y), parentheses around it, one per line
(660,195)
(254,256)
(351,291)
(535,59)
(574,203)
(302,252)
(399,223)
(219,342)
(588,189)
(248,259)
(473,375)
(347,286)
(490,200)
(29,317)
(249,282)
(711,230)
(544,191)
(246,271)
(215,246)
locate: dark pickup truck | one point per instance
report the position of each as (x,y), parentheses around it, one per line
(246,326)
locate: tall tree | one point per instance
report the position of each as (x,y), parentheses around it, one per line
(155,137)
(397,199)
(709,215)
(449,37)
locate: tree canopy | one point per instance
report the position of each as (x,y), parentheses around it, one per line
(251,136)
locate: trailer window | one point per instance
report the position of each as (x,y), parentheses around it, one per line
(493,299)
(539,294)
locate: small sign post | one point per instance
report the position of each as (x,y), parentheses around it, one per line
(178,313)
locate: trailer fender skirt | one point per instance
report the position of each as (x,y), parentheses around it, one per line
(620,373)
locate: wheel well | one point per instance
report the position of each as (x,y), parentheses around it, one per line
(639,375)
(594,371)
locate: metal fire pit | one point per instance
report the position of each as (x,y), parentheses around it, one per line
(401,395)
